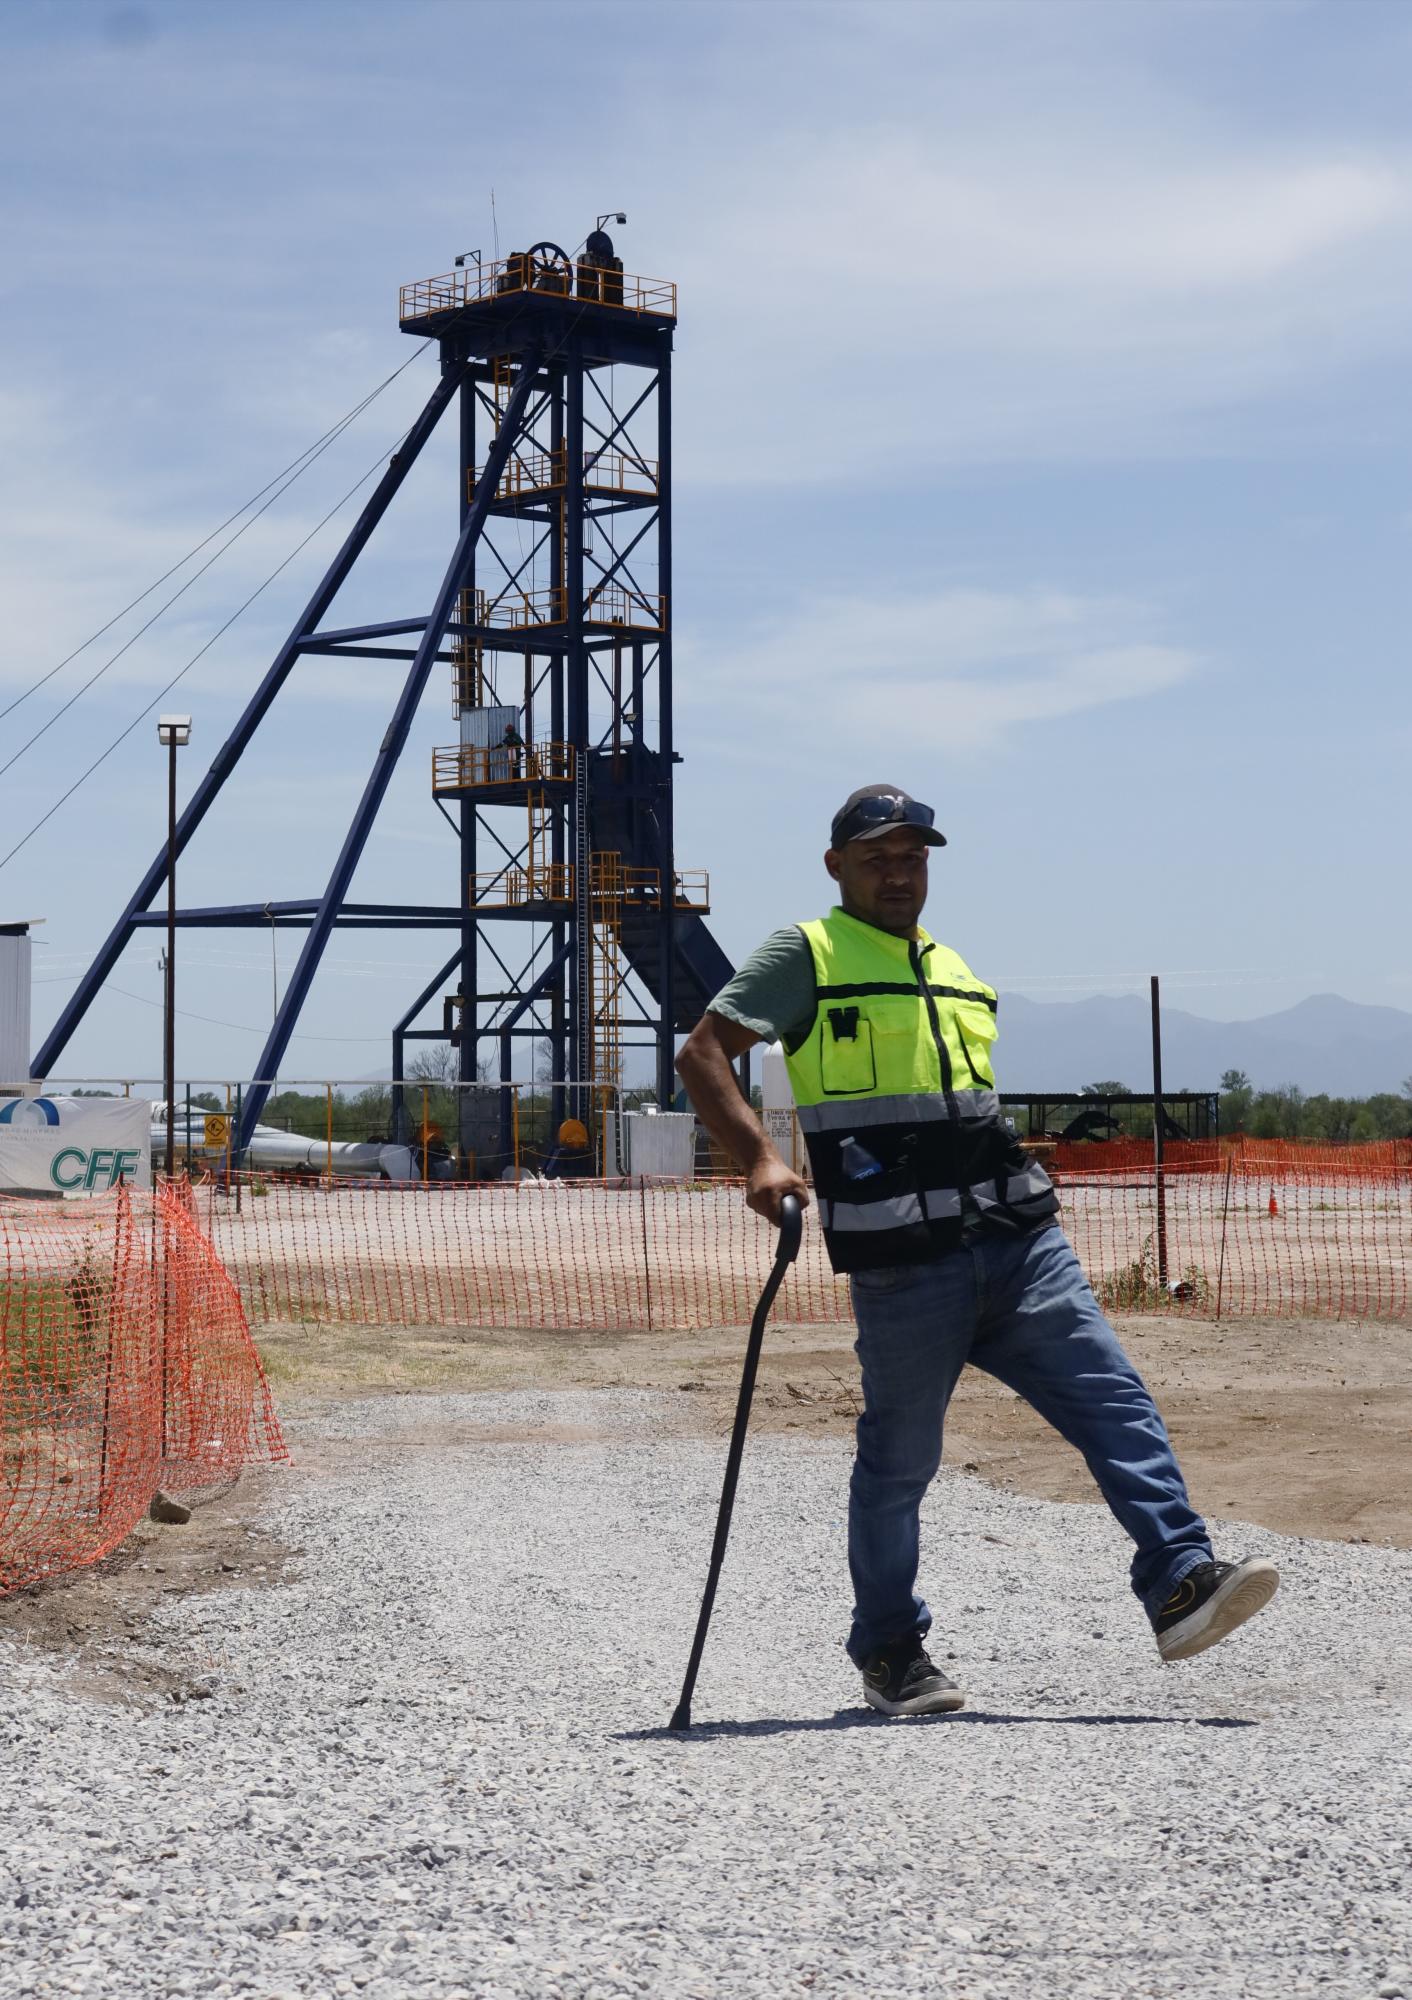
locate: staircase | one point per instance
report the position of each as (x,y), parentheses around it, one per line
(623,822)
(702,968)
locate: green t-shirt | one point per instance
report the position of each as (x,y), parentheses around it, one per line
(773,992)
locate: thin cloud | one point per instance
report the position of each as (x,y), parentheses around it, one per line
(964,667)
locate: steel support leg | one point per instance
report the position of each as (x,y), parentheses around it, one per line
(388,754)
(231,750)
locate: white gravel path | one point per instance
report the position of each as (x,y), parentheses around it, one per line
(435,1764)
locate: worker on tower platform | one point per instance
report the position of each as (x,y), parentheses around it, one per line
(513,744)
(949,1233)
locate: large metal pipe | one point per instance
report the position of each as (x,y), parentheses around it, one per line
(272,1152)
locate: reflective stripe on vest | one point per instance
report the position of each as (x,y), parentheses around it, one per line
(897,1103)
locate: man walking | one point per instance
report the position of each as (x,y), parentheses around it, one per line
(948,1231)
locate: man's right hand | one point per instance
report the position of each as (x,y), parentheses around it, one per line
(766,1186)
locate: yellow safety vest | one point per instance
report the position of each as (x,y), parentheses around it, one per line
(897,1102)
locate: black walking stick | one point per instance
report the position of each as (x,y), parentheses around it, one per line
(791,1228)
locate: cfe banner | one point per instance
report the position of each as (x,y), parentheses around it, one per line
(74,1145)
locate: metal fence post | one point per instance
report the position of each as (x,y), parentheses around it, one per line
(1221,1264)
(1157,1133)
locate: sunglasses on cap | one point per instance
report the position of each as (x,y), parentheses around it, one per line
(878,811)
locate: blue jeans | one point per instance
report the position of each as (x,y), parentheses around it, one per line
(1021,1309)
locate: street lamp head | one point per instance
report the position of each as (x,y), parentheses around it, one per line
(173,730)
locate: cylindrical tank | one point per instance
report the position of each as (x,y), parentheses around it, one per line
(15,958)
(777,1113)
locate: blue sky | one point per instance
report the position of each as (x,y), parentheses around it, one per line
(1042,445)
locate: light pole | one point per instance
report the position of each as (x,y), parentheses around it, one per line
(174,731)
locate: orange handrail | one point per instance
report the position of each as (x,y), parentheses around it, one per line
(460,766)
(453,291)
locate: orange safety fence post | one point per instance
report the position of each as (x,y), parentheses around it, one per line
(426,1135)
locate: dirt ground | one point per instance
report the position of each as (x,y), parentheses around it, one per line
(1302,1426)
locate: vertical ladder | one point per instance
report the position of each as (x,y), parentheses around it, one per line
(539,862)
(583,940)
(609,973)
(468,656)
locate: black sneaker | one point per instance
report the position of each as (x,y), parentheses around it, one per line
(1209,1603)
(901,1680)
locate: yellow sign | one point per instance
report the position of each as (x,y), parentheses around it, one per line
(217,1131)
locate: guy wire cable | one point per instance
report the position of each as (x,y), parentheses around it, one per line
(143,713)
(309,452)
(308,457)
(162,693)
(242,1027)
(311,457)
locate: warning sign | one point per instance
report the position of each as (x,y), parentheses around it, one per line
(217,1131)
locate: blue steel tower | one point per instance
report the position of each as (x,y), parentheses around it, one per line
(572,923)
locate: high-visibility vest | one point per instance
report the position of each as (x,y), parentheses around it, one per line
(897,1102)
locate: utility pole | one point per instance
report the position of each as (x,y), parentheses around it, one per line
(173,731)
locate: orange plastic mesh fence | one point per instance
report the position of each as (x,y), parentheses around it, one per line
(1122,1156)
(1209,1156)
(1307,1156)
(592,1256)
(126,1364)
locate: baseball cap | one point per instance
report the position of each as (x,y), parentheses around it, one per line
(875,809)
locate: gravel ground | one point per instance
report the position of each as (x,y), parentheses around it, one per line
(436,1763)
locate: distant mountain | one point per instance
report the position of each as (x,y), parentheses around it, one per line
(1323,1044)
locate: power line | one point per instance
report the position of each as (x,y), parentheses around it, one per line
(241,1027)
(310,453)
(162,693)
(395,969)
(127,644)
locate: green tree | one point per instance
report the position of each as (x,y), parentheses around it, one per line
(1386,1116)
(1328,1119)
(1237,1096)
(1276,1114)
(296,1111)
